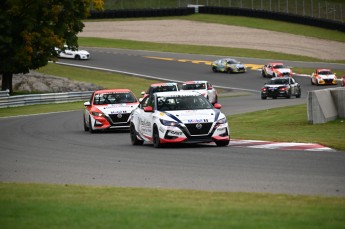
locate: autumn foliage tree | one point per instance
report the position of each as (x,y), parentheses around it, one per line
(31,29)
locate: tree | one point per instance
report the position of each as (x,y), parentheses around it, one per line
(31,29)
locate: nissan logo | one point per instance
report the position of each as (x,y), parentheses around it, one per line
(119,115)
(198,126)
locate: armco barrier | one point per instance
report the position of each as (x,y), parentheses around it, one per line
(23,100)
(326,105)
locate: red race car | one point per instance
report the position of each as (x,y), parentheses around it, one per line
(276,69)
(109,109)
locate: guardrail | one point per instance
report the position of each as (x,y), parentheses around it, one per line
(32,99)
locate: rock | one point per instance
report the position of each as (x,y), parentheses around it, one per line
(35,82)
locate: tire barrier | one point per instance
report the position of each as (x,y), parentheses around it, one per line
(133,13)
(306,20)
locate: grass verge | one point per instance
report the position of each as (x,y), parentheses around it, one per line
(70,206)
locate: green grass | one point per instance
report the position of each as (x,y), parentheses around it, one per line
(70,206)
(287,124)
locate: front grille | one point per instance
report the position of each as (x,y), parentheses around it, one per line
(116,119)
(193,130)
(286,73)
(328,80)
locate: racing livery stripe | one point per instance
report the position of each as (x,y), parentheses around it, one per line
(217,113)
(173,117)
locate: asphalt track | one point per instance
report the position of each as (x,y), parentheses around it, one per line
(53,148)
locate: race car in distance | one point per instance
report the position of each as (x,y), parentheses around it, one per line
(323,76)
(276,69)
(228,65)
(178,117)
(109,109)
(73,54)
(203,87)
(281,87)
(159,87)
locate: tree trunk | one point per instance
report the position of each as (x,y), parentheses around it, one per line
(7,82)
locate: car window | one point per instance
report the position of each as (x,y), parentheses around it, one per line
(167,103)
(113,98)
(196,86)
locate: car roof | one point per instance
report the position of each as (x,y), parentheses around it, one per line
(276,63)
(284,77)
(195,82)
(177,93)
(163,84)
(112,90)
(323,69)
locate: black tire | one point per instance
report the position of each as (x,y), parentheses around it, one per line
(222,143)
(155,137)
(214,69)
(288,96)
(90,127)
(263,74)
(299,94)
(77,57)
(86,128)
(263,97)
(311,80)
(133,134)
(229,70)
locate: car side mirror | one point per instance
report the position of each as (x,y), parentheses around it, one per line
(87,104)
(217,105)
(142,93)
(148,109)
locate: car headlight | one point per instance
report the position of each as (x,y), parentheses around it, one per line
(222,121)
(168,123)
(98,114)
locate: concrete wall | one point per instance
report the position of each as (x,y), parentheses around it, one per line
(326,105)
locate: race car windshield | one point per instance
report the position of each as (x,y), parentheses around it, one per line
(279,66)
(162,89)
(325,73)
(199,86)
(113,98)
(233,62)
(183,103)
(278,81)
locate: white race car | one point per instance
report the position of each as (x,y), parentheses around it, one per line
(203,87)
(109,109)
(178,117)
(73,54)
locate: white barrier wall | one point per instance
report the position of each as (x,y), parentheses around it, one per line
(326,105)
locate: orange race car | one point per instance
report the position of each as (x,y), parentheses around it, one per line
(323,76)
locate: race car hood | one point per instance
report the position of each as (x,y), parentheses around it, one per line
(275,85)
(193,116)
(330,76)
(83,52)
(123,108)
(283,70)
